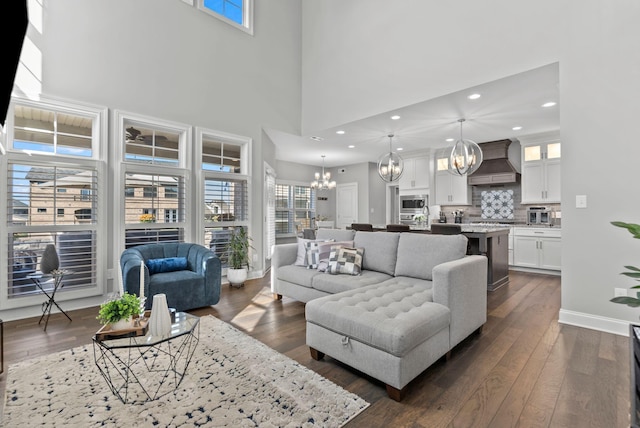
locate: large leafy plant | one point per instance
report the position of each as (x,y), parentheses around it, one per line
(119,309)
(632,271)
(239,246)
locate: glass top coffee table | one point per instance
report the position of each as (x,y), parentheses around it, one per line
(144,368)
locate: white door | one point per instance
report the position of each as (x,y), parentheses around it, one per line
(346,204)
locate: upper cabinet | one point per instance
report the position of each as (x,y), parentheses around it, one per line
(541,171)
(450,189)
(415,174)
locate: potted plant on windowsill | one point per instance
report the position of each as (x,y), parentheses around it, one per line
(239,246)
(119,312)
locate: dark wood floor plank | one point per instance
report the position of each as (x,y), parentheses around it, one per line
(540,406)
(480,408)
(524,369)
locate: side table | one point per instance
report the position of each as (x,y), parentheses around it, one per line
(40,279)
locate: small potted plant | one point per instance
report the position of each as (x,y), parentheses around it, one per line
(239,246)
(119,312)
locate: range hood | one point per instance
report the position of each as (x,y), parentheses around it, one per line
(496,168)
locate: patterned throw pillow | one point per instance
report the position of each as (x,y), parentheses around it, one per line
(345,260)
(301,256)
(317,252)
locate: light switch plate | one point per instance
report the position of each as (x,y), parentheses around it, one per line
(581,201)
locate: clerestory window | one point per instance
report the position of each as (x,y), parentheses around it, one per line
(238,13)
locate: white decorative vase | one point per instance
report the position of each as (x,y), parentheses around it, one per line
(160,319)
(236,277)
(122,324)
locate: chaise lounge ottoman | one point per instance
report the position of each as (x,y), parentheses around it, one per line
(391,331)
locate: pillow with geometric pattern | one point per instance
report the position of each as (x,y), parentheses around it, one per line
(344,260)
(318,252)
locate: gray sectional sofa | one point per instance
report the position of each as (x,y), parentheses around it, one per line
(418,296)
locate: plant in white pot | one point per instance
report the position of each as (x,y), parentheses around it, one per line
(119,312)
(239,246)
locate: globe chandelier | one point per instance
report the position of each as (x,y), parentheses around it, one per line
(466,156)
(323,182)
(390,165)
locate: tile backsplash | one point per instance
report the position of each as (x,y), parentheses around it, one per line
(473,213)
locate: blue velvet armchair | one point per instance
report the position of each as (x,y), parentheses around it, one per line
(188,284)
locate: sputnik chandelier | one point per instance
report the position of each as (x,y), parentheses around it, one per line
(466,156)
(323,182)
(390,165)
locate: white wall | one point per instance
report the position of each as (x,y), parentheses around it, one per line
(365,57)
(166,59)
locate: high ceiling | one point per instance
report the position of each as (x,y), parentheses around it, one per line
(504,104)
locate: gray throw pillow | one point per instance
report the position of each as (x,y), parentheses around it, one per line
(345,260)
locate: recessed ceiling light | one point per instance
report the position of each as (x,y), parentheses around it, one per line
(340,132)
(351,146)
(549,104)
(314,138)
(517,128)
(474,96)
(400,149)
(395,117)
(448,140)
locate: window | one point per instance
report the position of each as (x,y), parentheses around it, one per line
(141,213)
(238,13)
(152,146)
(224,168)
(154,205)
(295,207)
(150,192)
(170,191)
(41,128)
(60,212)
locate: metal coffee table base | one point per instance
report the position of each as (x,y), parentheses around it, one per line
(143,373)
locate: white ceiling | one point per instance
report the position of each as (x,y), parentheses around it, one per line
(513,101)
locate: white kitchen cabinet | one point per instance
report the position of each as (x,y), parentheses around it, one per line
(415,174)
(450,189)
(537,248)
(541,172)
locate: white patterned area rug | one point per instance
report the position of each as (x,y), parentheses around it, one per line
(233,380)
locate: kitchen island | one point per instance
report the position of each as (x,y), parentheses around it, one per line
(490,241)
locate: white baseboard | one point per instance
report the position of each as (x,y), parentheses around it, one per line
(594,322)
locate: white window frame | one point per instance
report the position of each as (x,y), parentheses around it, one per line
(122,167)
(247,16)
(201,175)
(313,199)
(99,153)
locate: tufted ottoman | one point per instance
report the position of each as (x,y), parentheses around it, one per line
(391,331)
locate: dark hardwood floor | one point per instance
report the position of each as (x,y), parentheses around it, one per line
(523,370)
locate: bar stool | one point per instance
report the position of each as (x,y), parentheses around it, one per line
(446,229)
(398,228)
(365,227)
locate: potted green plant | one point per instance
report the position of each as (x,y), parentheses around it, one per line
(239,263)
(119,312)
(633,272)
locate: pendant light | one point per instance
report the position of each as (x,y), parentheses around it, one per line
(390,165)
(323,182)
(466,156)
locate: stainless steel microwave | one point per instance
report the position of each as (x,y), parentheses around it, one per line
(413,203)
(539,215)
